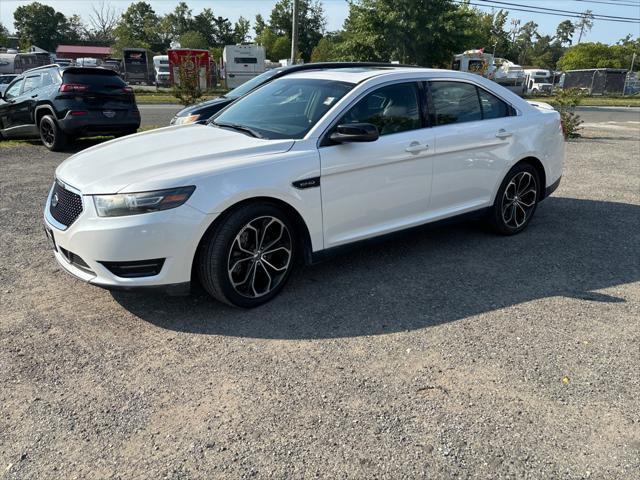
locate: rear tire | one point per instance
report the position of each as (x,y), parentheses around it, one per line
(51,135)
(247,259)
(516,200)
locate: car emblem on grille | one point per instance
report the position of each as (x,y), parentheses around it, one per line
(109,113)
(54,200)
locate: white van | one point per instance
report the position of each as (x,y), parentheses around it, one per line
(242,63)
(538,81)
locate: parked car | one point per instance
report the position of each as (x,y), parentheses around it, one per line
(238,201)
(201,112)
(5,80)
(61,103)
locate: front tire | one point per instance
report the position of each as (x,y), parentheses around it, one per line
(516,200)
(52,137)
(247,259)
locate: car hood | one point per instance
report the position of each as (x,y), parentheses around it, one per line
(203,105)
(158,158)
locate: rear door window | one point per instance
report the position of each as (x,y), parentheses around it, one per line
(32,82)
(455,102)
(492,106)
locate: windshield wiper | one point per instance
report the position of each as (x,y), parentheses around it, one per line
(240,128)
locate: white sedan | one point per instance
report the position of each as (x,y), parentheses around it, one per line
(306,164)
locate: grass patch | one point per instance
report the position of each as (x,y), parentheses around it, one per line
(595,101)
(146,97)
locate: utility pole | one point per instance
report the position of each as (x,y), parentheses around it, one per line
(294,33)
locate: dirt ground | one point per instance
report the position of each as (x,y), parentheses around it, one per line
(443,353)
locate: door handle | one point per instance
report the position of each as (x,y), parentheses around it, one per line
(34,96)
(502,133)
(416,147)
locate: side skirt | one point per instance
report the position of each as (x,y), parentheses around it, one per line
(322,255)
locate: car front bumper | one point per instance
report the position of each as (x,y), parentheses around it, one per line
(91,245)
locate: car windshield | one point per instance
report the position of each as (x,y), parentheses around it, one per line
(284,108)
(251,84)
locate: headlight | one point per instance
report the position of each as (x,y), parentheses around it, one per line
(134,203)
(185,120)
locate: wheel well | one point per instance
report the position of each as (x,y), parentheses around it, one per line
(41,112)
(301,230)
(537,164)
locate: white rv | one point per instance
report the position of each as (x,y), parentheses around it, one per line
(500,70)
(161,68)
(242,63)
(538,81)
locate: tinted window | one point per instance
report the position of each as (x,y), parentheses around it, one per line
(251,84)
(455,102)
(102,79)
(5,79)
(32,82)
(47,79)
(245,60)
(392,109)
(492,106)
(284,108)
(14,90)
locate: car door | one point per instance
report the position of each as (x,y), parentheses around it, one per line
(9,108)
(371,188)
(473,137)
(26,102)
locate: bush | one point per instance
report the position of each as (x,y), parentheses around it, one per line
(566,101)
(188,90)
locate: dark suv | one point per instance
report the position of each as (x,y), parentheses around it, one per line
(61,103)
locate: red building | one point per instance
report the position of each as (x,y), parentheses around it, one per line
(82,51)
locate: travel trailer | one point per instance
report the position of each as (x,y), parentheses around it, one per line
(538,81)
(137,65)
(161,68)
(500,70)
(242,63)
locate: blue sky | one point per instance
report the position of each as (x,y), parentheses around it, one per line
(336,11)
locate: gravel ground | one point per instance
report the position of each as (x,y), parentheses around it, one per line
(443,353)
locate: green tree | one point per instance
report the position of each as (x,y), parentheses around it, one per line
(193,39)
(4,35)
(564,32)
(259,25)
(224,31)
(524,42)
(311,23)
(138,27)
(585,24)
(325,51)
(411,31)
(42,25)
(181,19)
(599,55)
(241,30)
(205,23)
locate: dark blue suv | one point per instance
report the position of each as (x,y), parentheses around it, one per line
(62,103)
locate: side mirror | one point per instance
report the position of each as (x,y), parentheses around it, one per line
(355,132)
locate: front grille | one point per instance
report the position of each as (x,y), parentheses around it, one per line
(65,206)
(139,268)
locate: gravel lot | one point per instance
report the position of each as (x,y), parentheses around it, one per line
(444,353)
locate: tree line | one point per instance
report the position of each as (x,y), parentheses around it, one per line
(420,32)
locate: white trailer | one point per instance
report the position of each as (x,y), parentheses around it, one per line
(242,63)
(500,70)
(161,68)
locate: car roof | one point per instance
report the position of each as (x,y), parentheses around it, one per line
(359,74)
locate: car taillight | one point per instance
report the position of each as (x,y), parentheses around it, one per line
(127,89)
(73,87)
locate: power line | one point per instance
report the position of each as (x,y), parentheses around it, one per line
(617,4)
(547,9)
(461,2)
